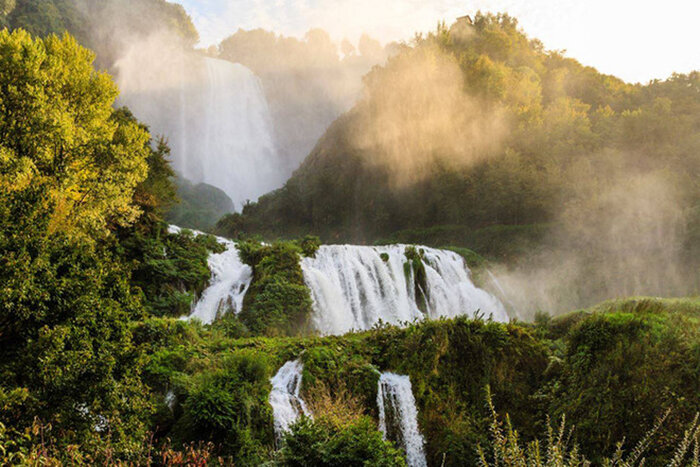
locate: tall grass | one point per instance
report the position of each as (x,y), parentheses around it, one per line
(559,449)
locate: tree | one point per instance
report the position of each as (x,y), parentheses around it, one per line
(322,443)
(69,168)
(57,129)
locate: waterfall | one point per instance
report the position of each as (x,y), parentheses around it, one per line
(230,279)
(213,112)
(354,287)
(398,417)
(287,405)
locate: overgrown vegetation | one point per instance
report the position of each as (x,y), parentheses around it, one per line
(278,303)
(96,369)
(322,443)
(220,384)
(559,448)
(83,249)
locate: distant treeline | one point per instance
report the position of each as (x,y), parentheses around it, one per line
(561,131)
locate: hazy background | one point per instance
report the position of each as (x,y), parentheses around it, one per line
(632,39)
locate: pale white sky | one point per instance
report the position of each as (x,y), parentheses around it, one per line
(637,40)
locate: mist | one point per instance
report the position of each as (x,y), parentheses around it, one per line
(240,116)
(625,239)
(244,114)
(416,114)
(308,82)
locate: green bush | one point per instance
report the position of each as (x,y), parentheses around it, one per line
(317,443)
(620,370)
(278,303)
(228,406)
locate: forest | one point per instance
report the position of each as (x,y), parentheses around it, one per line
(517,161)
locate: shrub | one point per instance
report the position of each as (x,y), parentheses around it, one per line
(319,443)
(278,302)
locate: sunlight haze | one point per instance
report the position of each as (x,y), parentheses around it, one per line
(635,40)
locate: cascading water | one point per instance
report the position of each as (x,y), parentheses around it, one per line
(229,283)
(213,112)
(230,279)
(287,405)
(398,417)
(354,287)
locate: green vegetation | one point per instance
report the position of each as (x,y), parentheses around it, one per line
(414,268)
(278,303)
(95,367)
(559,450)
(200,206)
(554,368)
(320,443)
(81,193)
(559,367)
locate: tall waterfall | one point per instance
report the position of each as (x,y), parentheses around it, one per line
(398,417)
(287,405)
(354,287)
(213,112)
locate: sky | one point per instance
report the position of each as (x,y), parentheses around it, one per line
(636,40)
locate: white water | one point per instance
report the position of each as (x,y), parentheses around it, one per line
(287,405)
(213,112)
(353,288)
(230,279)
(398,417)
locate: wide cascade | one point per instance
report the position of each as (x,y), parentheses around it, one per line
(287,405)
(214,114)
(354,287)
(398,417)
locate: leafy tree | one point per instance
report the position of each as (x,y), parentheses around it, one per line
(58,130)
(66,351)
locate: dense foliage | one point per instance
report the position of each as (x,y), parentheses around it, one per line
(324,444)
(278,303)
(556,367)
(95,367)
(83,249)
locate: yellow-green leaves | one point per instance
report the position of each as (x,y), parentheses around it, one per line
(57,129)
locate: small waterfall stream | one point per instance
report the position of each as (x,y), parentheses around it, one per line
(398,417)
(230,279)
(229,283)
(287,405)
